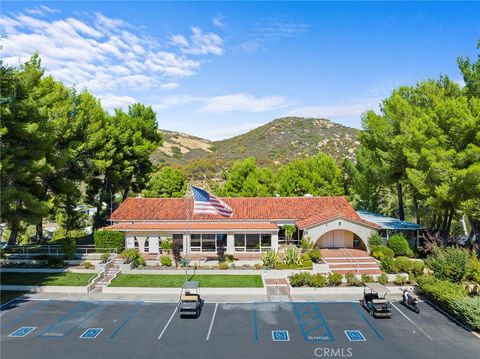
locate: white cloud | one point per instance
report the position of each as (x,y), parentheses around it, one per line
(239,102)
(106,55)
(218,21)
(242,103)
(110,102)
(199,43)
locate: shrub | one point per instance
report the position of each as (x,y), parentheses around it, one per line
(399,245)
(451,263)
(306,243)
(270,259)
(404,264)
(367,279)
(140,262)
(307,263)
(375,240)
(104,257)
(418,267)
(258,266)
(177,251)
(55,262)
(280,265)
(352,279)
(400,280)
(223,265)
(68,246)
(388,265)
(315,255)
(474,268)
(381,252)
(382,279)
(307,279)
(468,309)
(335,279)
(105,240)
(316,280)
(87,265)
(292,256)
(166,261)
(133,255)
(166,244)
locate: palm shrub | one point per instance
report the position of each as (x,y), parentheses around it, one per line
(335,279)
(292,256)
(289,231)
(270,259)
(375,240)
(451,263)
(399,245)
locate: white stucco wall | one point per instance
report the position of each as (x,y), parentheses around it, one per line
(361,231)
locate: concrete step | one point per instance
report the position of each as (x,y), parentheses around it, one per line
(362,271)
(354,265)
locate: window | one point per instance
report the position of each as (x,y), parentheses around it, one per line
(239,240)
(195,242)
(147,245)
(266,241)
(208,243)
(221,240)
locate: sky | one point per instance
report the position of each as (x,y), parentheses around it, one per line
(219,69)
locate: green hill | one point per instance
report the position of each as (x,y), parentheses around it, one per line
(272,144)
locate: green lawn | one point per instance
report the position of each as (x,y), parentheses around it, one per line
(176,281)
(7,296)
(42,279)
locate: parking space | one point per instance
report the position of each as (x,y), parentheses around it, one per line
(256,330)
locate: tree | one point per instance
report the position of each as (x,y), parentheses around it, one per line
(245,179)
(318,175)
(290,230)
(24,145)
(166,183)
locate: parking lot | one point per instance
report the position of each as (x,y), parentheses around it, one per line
(52,329)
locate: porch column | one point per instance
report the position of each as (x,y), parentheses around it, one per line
(141,243)
(230,243)
(186,241)
(275,242)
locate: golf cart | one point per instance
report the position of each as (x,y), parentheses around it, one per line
(190,302)
(374,300)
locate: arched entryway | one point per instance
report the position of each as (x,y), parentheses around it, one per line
(340,238)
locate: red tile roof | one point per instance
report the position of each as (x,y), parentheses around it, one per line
(195,226)
(306,210)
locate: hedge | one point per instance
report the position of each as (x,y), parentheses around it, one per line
(453,298)
(399,245)
(381,252)
(106,239)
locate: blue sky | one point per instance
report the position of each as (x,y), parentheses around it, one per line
(218,69)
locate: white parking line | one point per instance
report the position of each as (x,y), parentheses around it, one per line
(411,321)
(211,323)
(166,325)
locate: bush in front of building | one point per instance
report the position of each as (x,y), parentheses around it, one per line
(315,255)
(382,279)
(306,279)
(400,279)
(380,252)
(404,264)
(388,265)
(451,263)
(292,256)
(133,255)
(270,259)
(223,265)
(367,279)
(399,245)
(375,240)
(106,240)
(335,279)
(352,280)
(68,246)
(166,261)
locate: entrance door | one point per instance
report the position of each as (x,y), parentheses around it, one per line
(327,240)
(153,246)
(338,239)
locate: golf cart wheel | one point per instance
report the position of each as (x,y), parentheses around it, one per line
(372,313)
(417,310)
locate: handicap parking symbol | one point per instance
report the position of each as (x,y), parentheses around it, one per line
(355,335)
(91,333)
(280,335)
(22,332)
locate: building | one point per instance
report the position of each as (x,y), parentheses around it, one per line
(256,224)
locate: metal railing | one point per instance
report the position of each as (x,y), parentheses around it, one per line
(102,272)
(32,250)
(348,257)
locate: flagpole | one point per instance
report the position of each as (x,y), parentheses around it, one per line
(187,244)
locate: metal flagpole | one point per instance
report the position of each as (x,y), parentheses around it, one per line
(187,239)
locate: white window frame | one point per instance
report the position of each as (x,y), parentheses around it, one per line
(243,249)
(199,249)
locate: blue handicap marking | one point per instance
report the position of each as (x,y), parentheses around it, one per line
(280,335)
(22,332)
(91,333)
(355,335)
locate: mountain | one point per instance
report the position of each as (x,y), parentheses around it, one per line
(272,144)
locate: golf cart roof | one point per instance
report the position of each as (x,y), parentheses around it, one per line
(190,285)
(376,287)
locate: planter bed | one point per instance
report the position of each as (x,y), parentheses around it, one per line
(176,281)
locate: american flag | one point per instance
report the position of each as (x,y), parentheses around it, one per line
(205,203)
